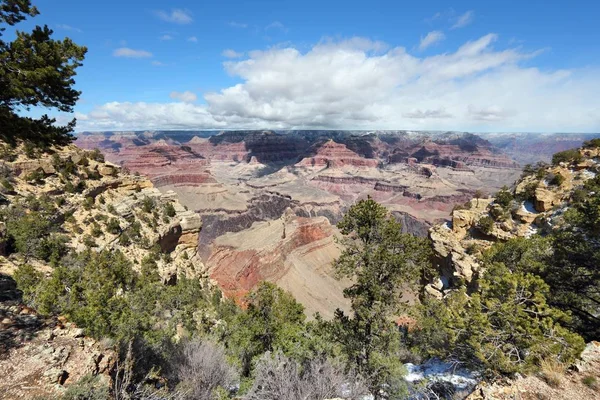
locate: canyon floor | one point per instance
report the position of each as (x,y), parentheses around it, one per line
(269,202)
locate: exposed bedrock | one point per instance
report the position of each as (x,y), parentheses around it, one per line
(411,224)
(265,207)
(185,179)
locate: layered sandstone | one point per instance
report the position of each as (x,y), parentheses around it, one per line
(458,243)
(236,181)
(294,252)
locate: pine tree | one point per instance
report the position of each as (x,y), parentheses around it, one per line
(35,71)
(384,263)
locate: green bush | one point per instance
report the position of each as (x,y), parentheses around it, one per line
(486,225)
(87,388)
(89,241)
(6,184)
(148,204)
(88,203)
(36,176)
(96,155)
(504,197)
(505,327)
(84,161)
(169,210)
(32,234)
(96,230)
(124,239)
(557,180)
(113,226)
(593,143)
(567,156)
(27,278)
(29,150)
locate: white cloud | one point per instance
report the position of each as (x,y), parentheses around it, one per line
(193,39)
(276,25)
(176,16)
(68,28)
(464,19)
(166,37)
(430,39)
(186,97)
(229,53)
(157,63)
(362,84)
(235,24)
(131,53)
(424,114)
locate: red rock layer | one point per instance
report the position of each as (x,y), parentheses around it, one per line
(238,271)
(332,154)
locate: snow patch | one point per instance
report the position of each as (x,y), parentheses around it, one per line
(531,230)
(436,370)
(528,207)
(588,174)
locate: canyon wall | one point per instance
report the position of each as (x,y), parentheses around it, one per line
(242,183)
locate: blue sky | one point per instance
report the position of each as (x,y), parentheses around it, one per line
(466,65)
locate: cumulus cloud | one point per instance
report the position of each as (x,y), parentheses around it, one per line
(131,53)
(193,39)
(464,20)
(166,37)
(229,53)
(176,16)
(430,39)
(363,84)
(186,97)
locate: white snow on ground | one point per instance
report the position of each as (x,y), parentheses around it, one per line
(588,174)
(528,207)
(435,369)
(531,230)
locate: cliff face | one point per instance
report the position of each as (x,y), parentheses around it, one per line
(95,204)
(537,206)
(294,252)
(107,193)
(237,180)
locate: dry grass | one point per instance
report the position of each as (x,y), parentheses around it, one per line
(552,371)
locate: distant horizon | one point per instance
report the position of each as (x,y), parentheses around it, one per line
(336,130)
(481,67)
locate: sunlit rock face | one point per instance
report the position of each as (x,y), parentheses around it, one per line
(239,182)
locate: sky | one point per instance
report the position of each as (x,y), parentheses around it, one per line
(479,66)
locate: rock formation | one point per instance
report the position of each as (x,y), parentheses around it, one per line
(538,205)
(238,181)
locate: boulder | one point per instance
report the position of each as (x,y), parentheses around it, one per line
(545,199)
(24,168)
(107,170)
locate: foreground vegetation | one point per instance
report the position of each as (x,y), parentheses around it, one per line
(512,323)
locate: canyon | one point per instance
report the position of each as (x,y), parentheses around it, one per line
(269,200)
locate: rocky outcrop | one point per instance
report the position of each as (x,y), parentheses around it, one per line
(183,179)
(112,194)
(237,179)
(538,205)
(42,357)
(281,251)
(336,155)
(579,382)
